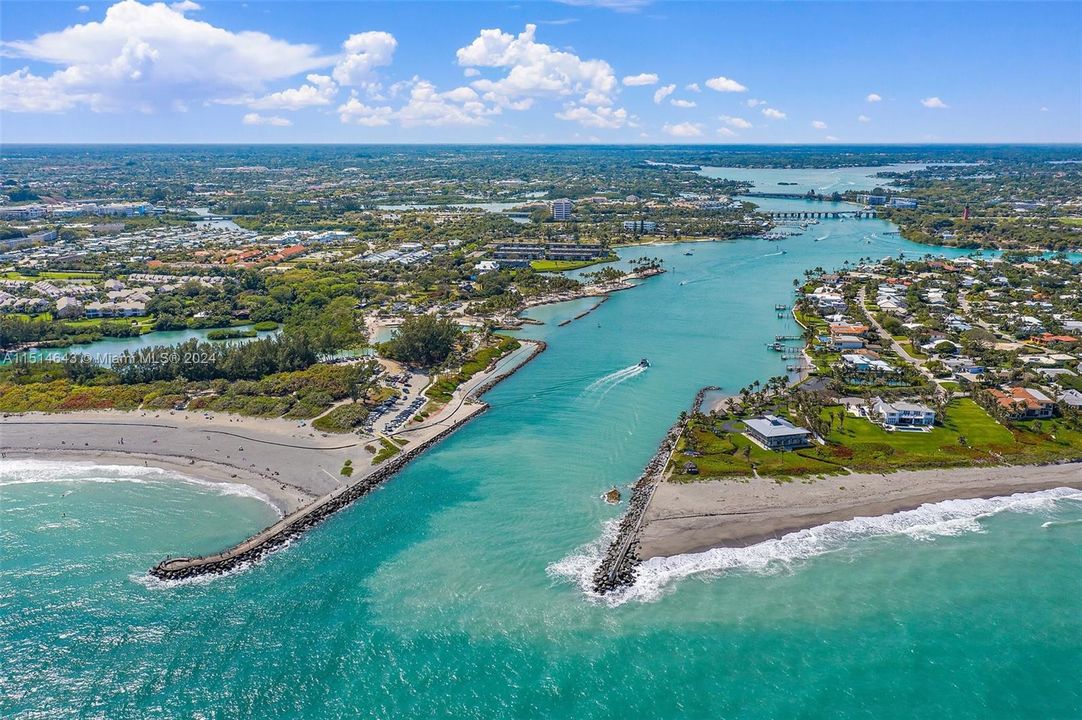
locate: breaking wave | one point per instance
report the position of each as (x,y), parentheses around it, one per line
(941,519)
(30,472)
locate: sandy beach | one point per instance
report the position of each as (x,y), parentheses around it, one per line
(693,517)
(289,463)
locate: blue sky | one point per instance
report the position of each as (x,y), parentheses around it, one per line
(619,71)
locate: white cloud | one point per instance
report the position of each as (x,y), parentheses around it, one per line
(319,90)
(683,130)
(83,8)
(819,125)
(535,70)
(873,97)
(736,122)
(600,116)
(863,119)
(144,57)
(773,114)
(1044,108)
(663,92)
(693,87)
(934,103)
(186,6)
(362,53)
(683,103)
(427,106)
(471,72)
(354,112)
(424,105)
(727,132)
(724,84)
(257,119)
(831,138)
(641,79)
(753,102)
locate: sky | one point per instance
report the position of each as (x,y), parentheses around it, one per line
(577,71)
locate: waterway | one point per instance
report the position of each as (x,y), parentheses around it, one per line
(457,590)
(802,180)
(104,350)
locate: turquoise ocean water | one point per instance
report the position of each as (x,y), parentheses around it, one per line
(457,589)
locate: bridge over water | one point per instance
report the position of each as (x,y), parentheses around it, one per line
(815,214)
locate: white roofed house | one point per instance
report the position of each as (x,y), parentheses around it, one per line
(68,307)
(777,433)
(903,414)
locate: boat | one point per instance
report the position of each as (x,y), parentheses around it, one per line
(644,363)
(689,253)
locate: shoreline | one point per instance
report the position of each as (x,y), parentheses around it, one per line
(298,468)
(283,499)
(694,517)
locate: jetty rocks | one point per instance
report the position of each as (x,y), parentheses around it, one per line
(294,525)
(619,566)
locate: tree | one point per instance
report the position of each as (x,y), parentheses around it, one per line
(423,340)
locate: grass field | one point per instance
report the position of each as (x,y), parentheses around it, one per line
(51,275)
(968,436)
(564,265)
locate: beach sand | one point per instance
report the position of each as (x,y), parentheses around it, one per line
(693,517)
(289,463)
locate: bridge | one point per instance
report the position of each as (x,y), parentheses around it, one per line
(815,214)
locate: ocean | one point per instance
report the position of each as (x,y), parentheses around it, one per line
(457,589)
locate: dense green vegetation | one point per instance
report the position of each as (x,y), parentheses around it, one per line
(445,385)
(423,340)
(342,419)
(54,387)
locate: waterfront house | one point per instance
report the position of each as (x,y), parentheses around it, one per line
(777,433)
(1021,403)
(846,342)
(863,363)
(903,414)
(68,307)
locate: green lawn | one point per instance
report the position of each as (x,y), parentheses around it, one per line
(51,275)
(563,265)
(388,450)
(862,446)
(733,455)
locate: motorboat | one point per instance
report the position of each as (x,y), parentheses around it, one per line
(644,363)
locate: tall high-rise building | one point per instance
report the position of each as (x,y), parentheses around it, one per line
(561,209)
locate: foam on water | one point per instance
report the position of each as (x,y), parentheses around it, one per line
(614,378)
(942,519)
(30,472)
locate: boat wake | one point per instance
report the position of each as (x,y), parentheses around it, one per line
(659,575)
(603,385)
